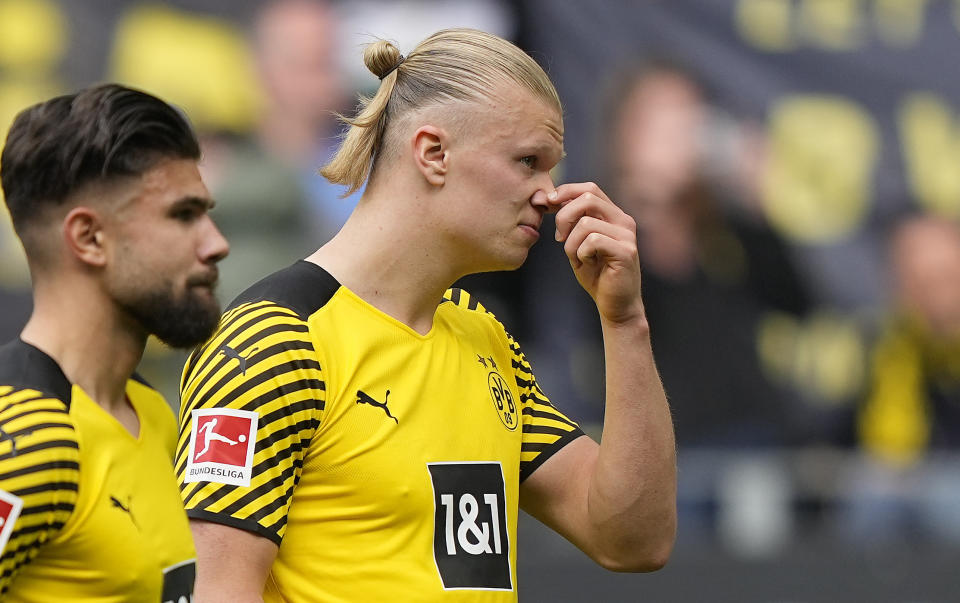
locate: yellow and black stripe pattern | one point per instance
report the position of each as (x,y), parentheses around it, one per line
(260,359)
(545,429)
(39,463)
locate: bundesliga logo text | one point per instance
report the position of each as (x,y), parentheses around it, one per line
(222,444)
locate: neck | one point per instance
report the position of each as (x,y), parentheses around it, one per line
(82,330)
(392,258)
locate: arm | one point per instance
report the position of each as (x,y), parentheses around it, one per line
(281,394)
(39,477)
(221,552)
(617,500)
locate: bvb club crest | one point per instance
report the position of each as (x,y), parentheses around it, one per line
(503,400)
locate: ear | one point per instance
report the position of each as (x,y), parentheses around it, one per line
(430,153)
(84,237)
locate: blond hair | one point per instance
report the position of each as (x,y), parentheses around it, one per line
(452,65)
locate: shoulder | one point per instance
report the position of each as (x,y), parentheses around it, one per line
(22,366)
(39,448)
(39,455)
(465,307)
(461,299)
(302,287)
(267,321)
(34,403)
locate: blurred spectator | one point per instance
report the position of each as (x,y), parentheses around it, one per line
(274,206)
(914,400)
(912,410)
(711,270)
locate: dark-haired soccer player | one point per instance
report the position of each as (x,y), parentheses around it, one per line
(377,432)
(104,193)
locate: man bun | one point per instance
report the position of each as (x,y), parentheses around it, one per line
(381,58)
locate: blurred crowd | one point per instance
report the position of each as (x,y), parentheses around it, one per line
(755,351)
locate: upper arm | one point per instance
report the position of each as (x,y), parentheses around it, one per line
(556,493)
(232,564)
(555,460)
(39,476)
(259,371)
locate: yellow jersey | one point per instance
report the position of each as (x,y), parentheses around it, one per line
(385,464)
(88,512)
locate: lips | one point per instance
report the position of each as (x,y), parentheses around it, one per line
(208,279)
(532,229)
(533,224)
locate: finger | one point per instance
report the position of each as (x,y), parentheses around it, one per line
(599,248)
(589,204)
(587,226)
(566,193)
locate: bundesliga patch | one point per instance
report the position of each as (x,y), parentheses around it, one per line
(222,442)
(471,534)
(10,507)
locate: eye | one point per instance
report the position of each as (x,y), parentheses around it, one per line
(185,214)
(530,161)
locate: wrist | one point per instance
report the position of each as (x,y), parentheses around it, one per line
(634,322)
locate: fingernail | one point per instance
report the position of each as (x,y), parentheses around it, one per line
(552,195)
(556,235)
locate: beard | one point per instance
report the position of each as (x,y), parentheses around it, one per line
(179,322)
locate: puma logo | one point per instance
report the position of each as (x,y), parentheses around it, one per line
(232,353)
(4,435)
(363,398)
(125,508)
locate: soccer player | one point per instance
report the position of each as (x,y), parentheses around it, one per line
(394,428)
(104,193)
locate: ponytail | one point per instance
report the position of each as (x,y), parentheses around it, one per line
(352,164)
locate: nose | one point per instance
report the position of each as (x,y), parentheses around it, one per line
(213,246)
(539,197)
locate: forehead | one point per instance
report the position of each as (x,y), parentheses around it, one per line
(514,114)
(167,182)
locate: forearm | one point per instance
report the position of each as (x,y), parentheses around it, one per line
(631,501)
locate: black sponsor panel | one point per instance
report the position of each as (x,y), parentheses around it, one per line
(471,542)
(178,583)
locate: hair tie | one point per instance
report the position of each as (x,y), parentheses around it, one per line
(394,68)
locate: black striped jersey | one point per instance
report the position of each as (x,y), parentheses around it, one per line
(88,512)
(385,464)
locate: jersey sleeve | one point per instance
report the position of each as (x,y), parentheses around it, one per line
(545,429)
(39,474)
(252,398)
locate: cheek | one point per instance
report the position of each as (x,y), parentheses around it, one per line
(159,252)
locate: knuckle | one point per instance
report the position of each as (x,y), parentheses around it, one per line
(590,222)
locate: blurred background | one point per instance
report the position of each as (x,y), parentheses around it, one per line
(794,170)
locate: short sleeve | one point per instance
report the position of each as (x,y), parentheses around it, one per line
(545,429)
(252,398)
(39,475)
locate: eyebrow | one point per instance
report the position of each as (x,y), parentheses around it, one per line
(193,202)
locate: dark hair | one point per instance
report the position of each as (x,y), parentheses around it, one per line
(103,132)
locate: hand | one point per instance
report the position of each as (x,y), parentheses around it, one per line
(600,241)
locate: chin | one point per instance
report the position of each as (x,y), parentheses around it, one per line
(511,263)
